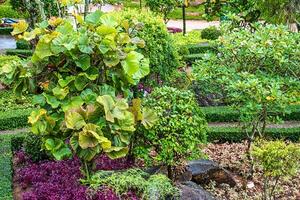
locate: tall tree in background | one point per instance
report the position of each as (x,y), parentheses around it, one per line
(163,7)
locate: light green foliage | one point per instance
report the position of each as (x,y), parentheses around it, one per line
(193,37)
(277,161)
(162,7)
(280,11)
(211,33)
(159,46)
(84,75)
(270,49)
(176,136)
(9,101)
(148,187)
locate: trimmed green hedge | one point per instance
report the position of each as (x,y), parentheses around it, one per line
(6,171)
(8,144)
(14,119)
(192,57)
(5,30)
(228,114)
(200,48)
(233,134)
(19,52)
(23,44)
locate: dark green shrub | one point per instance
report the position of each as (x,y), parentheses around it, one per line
(17,143)
(23,44)
(179,131)
(5,30)
(211,33)
(23,53)
(6,171)
(236,134)
(159,47)
(33,148)
(9,101)
(12,119)
(200,48)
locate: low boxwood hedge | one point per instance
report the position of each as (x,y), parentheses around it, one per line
(14,119)
(19,52)
(6,191)
(200,48)
(228,114)
(23,44)
(235,134)
(8,144)
(5,30)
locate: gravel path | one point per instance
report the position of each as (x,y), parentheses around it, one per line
(15,131)
(193,24)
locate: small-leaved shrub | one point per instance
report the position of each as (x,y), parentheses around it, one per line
(211,33)
(277,160)
(159,45)
(179,132)
(33,147)
(145,185)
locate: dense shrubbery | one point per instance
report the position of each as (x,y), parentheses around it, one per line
(211,33)
(6,11)
(159,46)
(33,147)
(176,136)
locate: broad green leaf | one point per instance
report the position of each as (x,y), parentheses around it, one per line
(42,50)
(94,18)
(60,93)
(39,100)
(74,102)
(107,90)
(88,96)
(51,100)
(106,30)
(132,63)
(116,152)
(74,120)
(136,109)
(64,82)
(65,28)
(92,73)
(62,153)
(35,115)
(81,82)
(127,123)
(149,118)
(68,42)
(108,104)
(84,62)
(109,20)
(20,27)
(89,153)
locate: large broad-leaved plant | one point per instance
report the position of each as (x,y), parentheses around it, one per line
(82,74)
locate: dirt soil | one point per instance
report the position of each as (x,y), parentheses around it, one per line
(233,158)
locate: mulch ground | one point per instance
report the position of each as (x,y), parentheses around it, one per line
(233,158)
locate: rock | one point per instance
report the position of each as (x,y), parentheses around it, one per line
(191,191)
(204,171)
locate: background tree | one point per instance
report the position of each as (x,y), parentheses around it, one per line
(163,7)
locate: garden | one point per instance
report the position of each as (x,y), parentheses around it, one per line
(114,104)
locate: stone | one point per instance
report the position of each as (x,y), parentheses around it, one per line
(204,171)
(191,191)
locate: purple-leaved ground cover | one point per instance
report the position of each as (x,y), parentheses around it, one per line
(59,180)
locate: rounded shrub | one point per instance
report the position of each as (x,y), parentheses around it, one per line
(33,148)
(179,131)
(159,45)
(210,33)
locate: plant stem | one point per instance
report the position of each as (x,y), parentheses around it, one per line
(87,173)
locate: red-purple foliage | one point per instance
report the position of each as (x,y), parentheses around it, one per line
(59,180)
(174,30)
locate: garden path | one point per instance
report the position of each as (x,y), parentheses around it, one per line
(7,42)
(287,124)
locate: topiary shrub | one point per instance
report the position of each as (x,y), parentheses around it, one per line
(210,33)
(159,47)
(33,148)
(176,136)
(23,44)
